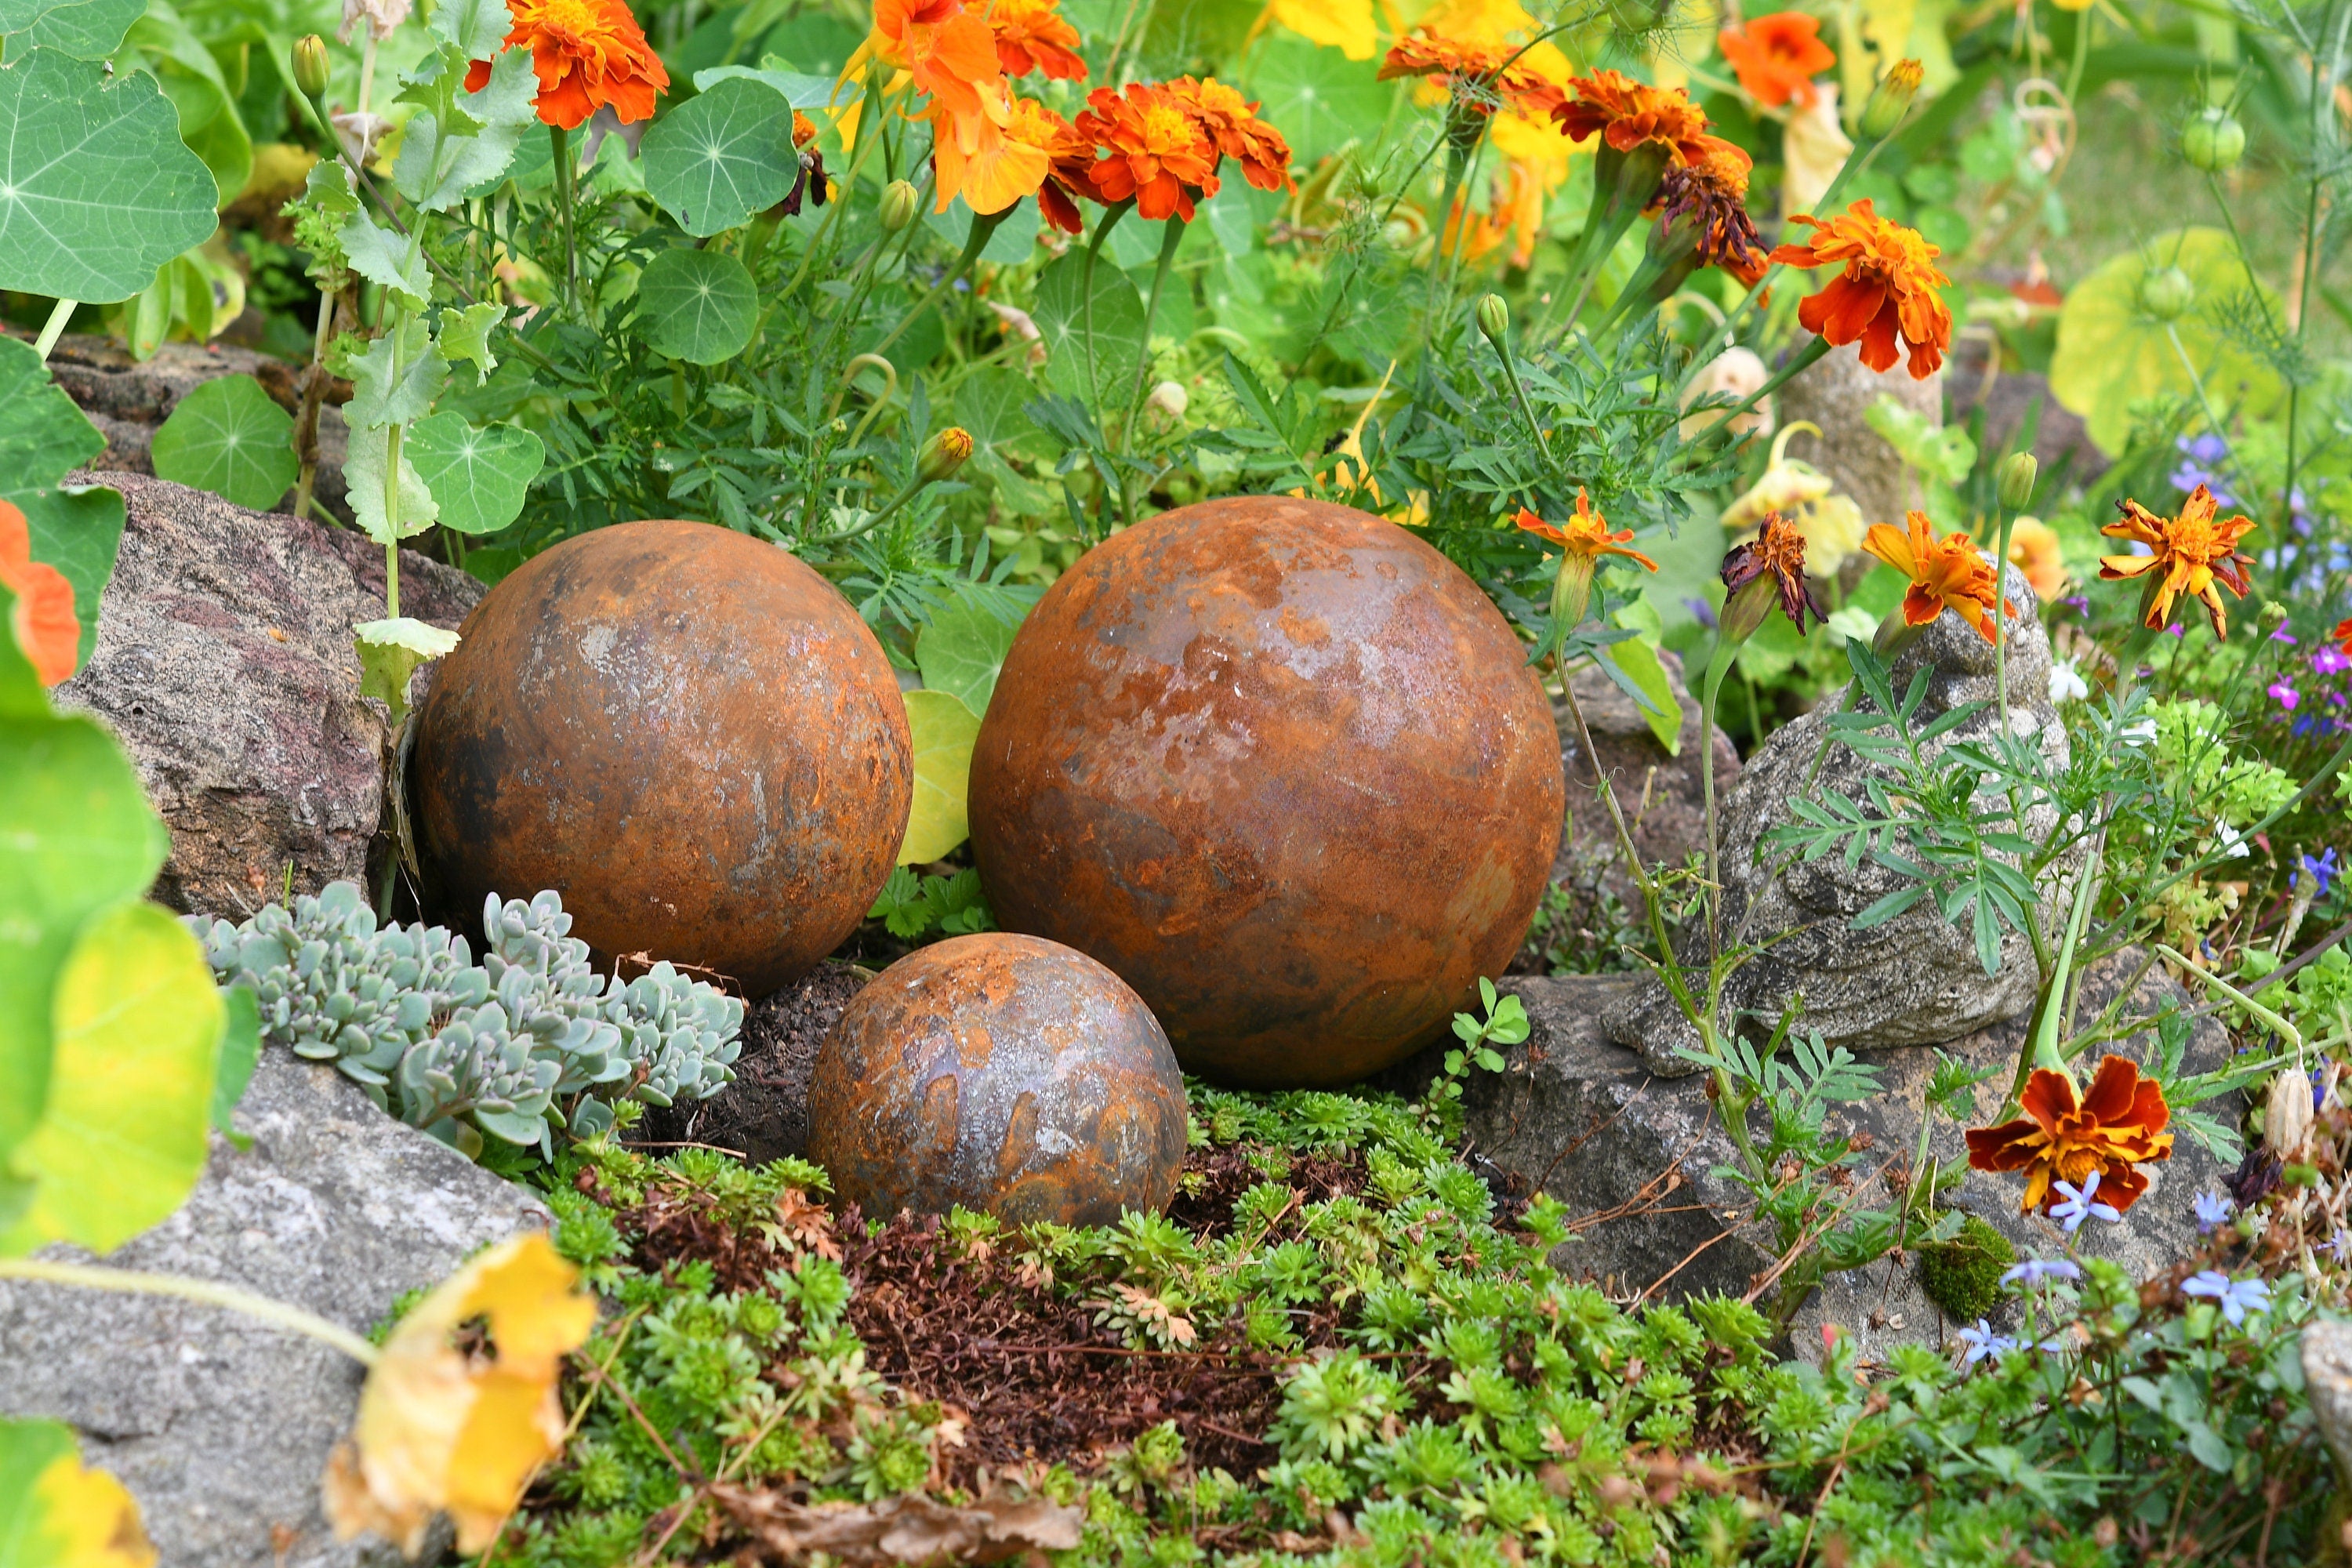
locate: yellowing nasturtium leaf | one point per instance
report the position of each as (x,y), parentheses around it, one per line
(1633,665)
(2113,353)
(230,438)
(56,1514)
(137,1023)
(1346,25)
(442,1430)
(696,305)
(944,730)
(97,190)
(479,475)
(390,652)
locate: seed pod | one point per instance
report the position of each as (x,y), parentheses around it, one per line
(2286,1117)
(2167,294)
(2214,141)
(897,205)
(2017,473)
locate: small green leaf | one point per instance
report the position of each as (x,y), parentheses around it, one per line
(718,158)
(42,434)
(465,335)
(380,255)
(477,27)
(363,469)
(443,160)
(696,305)
(390,652)
(944,730)
(962,649)
(387,393)
(240,1053)
(137,1023)
(479,476)
(1633,665)
(228,436)
(97,190)
(86,29)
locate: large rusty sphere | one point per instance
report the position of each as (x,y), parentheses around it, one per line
(687,733)
(1284,768)
(1005,1073)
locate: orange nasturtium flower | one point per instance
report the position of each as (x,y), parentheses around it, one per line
(1628,113)
(948,52)
(586,54)
(993,166)
(1888,288)
(1777,57)
(2064,1134)
(43,617)
(2195,552)
(1582,542)
(1033,36)
(1159,152)
(1947,574)
(1231,121)
(2343,633)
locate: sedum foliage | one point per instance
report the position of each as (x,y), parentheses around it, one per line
(531,1040)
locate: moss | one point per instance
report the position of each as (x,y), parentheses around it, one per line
(1962,1276)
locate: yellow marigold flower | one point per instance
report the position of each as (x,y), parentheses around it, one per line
(1947,574)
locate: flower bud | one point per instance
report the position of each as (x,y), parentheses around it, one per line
(944,453)
(1495,321)
(310,65)
(1571,594)
(2273,618)
(1169,398)
(1891,98)
(2168,293)
(2286,1117)
(2214,141)
(1745,609)
(897,205)
(2016,475)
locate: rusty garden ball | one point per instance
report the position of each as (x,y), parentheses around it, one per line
(687,733)
(1284,768)
(1005,1073)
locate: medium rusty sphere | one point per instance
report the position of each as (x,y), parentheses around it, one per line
(687,733)
(1284,768)
(1005,1073)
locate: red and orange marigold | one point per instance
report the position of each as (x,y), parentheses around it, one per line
(2065,1134)
(1884,294)
(1034,36)
(2195,553)
(1232,123)
(1156,151)
(1947,574)
(1483,77)
(1626,113)
(587,54)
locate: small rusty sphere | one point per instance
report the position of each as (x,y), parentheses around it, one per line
(1285,769)
(1005,1073)
(687,733)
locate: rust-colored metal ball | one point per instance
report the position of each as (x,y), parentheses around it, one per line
(687,733)
(1284,768)
(1005,1073)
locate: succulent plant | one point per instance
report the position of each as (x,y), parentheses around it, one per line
(531,1039)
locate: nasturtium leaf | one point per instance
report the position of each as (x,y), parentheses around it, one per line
(991,405)
(719,157)
(97,190)
(1633,665)
(963,648)
(42,434)
(228,436)
(363,471)
(444,158)
(944,730)
(86,29)
(1008,244)
(386,390)
(56,1514)
(1321,100)
(240,1053)
(478,474)
(381,256)
(804,92)
(78,528)
(696,305)
(465,335)
(137,1024)
(22,695)
(2112,352)
(390,652)
(1116,330)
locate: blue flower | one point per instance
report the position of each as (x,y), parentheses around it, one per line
(2236,1298)
(2214,1211)
(2339,1246)
(1982,1342)
(2081,1204)
(2199,454)
(2037,1271)
(2323,870)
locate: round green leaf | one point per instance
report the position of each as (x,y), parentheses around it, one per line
(479,475)
(721,156)
(1116,330)
(97,190)
(227,437)
(944,730)
(696,305)
(962,651)
(137,1025)
(2112,352)
(1318,99)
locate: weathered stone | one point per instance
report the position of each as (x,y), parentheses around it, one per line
(1659,791)
(2062,441)
(1631,1155)
(220,1425)
(1835,394)
(1916,979)
(224,662)
(2327,1382)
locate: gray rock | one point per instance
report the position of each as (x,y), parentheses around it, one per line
(1659,791)
(2327,1382)
(220,1425)
(1631,1155)
(1835,394)
(223,661)
(1914,980)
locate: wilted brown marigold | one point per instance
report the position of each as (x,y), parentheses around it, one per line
(1776,553)
(1712,196)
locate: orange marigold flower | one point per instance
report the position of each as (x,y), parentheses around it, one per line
(1070,169)
(1587,535)
(1033,36)
(1887,291)
(1481,77)
(2033,550)
(1777,57)
(1947,574)
(1776,552)
(1232,123)
(1160,153)
(1712,195)
(42,616)
(1628,112)
(991,166)
(2194,553)
(949,52)
(2064,1134)
(2343,633)
(586,54)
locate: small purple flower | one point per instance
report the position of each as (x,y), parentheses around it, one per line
(2286,696)
(2286,637)
(2036,1271)
(2339,1246)
(2236,1298)
(2198,455)
(2330,660)
(2323,871)
(2081,605)
(2079,1203)
(1982,1342)
(2213,1211)
(1702,612)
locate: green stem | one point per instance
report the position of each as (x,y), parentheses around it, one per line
(1725,655)
(1172,235)
(566,172)
(54,328)
(1111,215)
(1799,362)
(209,1292)
(975,240)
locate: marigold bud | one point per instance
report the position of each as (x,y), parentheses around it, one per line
(2017,474)
(944,453)
(310,65)
(1891,98)
(897,205)
(2167,293)
(2214,141)
(1495,321)
(1745,609)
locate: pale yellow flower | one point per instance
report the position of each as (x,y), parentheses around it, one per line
(1812,150)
